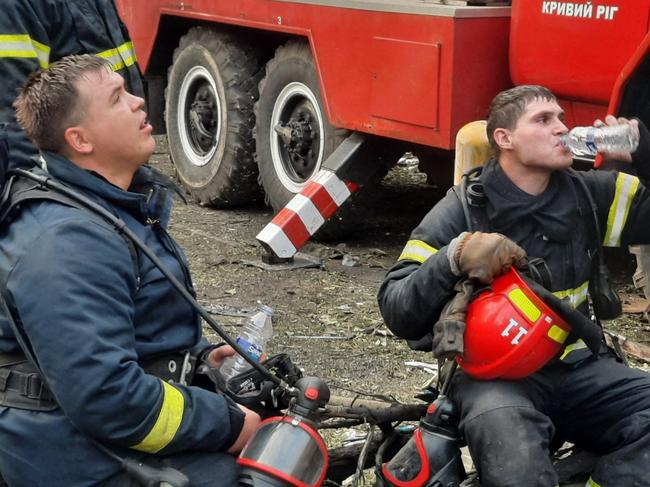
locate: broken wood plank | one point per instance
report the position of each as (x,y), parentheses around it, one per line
(637,350)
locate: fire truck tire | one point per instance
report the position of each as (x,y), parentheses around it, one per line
(290,97)
(209,115)
(290,100)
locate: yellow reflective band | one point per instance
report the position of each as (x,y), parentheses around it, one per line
(575,296)
(168,422)
(417,250)
(525,305)
(23,46)
(120,57)
(557,334)
(578,345)
(592,483)
(626,187)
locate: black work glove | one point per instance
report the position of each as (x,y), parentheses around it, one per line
(448,331)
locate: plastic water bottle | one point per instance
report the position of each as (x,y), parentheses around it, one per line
(610,138)
(254,337)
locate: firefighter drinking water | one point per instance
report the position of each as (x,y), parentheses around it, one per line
(531,206)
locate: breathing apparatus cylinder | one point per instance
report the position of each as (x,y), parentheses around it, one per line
(287,450)
(431,458)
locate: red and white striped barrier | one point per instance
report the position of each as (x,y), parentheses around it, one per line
(305,213)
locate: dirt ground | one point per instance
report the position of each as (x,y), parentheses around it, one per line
(327,317)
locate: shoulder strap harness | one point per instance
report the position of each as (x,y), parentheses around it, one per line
(19,190)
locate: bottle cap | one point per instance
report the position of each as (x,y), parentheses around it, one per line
(266,309)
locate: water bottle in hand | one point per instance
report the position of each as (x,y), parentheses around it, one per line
(254,337)
(609,138)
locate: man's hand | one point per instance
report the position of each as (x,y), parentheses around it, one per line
(251,423)
(483,256)
(216,356)
(611,120)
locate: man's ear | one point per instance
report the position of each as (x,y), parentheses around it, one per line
(503,138)
(77,140)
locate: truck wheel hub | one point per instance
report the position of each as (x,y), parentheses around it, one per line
(202,122)
(301,145)
(297,136)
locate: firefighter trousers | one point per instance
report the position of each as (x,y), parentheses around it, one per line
(599,405)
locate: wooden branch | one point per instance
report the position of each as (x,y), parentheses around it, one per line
(372,411)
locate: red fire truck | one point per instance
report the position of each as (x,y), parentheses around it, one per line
(266,90)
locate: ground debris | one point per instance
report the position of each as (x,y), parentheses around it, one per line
(634,304)
(350,260)
(427,367)
(637,350)
(323,337)
(376,329)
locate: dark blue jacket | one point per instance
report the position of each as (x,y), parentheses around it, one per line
(71,283)
(35,33)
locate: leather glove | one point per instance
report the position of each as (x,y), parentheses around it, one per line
(449,330)
(483,256)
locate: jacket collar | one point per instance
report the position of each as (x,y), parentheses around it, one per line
(509,207)
(136,203)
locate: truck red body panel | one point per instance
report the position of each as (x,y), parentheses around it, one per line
(415,77)
(577,49)
(405,76)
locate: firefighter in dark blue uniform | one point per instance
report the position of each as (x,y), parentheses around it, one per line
(536,205)
(35,33)
(111,336)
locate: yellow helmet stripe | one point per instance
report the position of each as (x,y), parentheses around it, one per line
(417,250)
(168,422)
(626,187)
(557,334)
(525,305)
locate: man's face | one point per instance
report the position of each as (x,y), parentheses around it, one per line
(535,140)
(114,121)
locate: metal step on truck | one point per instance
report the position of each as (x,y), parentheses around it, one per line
(312,99)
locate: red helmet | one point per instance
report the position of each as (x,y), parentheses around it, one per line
(510,331)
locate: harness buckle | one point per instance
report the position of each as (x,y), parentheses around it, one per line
(5,372)
(32,386)
(187,369)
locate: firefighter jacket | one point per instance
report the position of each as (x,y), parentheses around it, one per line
(90,318)
(556,226)
(35,33)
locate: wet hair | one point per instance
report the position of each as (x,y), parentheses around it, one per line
(509,105)
(50,103)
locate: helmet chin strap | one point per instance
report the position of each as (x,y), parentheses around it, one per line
(581,326)
(538,271)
